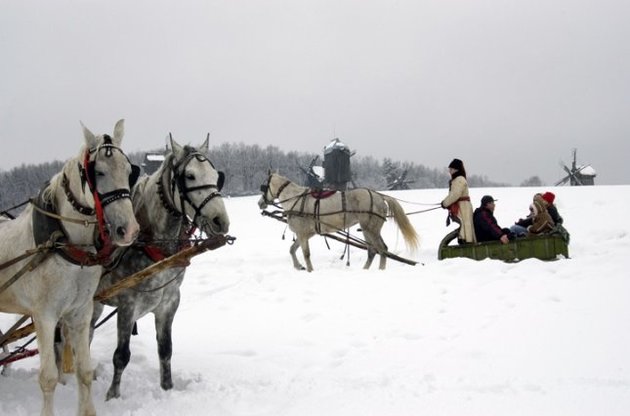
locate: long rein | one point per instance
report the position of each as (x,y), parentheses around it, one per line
(307,192)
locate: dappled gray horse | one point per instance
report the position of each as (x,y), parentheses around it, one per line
(181,196)
(308,215)
(85,206)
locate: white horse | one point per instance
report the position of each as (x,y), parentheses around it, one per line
(88,200)
(181,196)
(308,215)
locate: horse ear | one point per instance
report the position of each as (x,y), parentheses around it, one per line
(178,150)
(90,138)
(205,146)
(119,131)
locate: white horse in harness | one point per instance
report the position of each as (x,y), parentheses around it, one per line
(51,254)
(183,195)
(308,215)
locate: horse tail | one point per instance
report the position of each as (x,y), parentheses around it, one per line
(406,228)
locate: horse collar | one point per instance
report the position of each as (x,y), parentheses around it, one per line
(82,209)
(170,207)
(47,229)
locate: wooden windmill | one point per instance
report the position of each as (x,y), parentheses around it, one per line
(399,182)
(577,175)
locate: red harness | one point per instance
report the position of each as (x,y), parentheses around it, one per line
(322,193)
(156,253)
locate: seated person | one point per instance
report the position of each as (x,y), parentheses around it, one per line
(541,219)
(549,198)
(486,227)
(520,227)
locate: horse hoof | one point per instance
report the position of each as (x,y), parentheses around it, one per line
(112,395)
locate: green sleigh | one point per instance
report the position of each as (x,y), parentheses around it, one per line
(549,246)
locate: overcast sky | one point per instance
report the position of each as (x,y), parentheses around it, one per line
(509,86)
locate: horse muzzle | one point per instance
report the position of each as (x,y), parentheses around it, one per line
(262,203)
(218,225)
(124,235)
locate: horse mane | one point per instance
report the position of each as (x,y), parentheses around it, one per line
(49,192)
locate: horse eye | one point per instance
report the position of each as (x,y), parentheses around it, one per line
(99,173)
(190,177)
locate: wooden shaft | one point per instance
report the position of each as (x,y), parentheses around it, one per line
(130,281)
(175,260)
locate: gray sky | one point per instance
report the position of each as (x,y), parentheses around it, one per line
(509,86)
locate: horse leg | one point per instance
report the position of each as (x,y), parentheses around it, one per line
(59,346)
(45,329)
(306,251)
(123,353)
(371,253)
(97,312)
(292,250)
(375,245)
(77,325)
(383,253)
(164,316)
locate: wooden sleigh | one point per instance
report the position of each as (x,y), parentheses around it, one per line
(551,246)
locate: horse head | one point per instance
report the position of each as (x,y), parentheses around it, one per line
(271,189)
(109,175)
(198,184)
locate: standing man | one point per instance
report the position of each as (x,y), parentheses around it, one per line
(458,202)
(486,227)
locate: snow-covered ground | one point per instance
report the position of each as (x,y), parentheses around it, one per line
(457,337)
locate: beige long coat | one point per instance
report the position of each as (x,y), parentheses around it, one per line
(459,189)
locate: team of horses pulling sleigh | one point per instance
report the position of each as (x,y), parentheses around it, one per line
(99,234)
(97,228)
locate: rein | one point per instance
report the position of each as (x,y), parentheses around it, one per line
(58,217)
(423,210)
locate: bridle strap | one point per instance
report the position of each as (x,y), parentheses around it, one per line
(102,200)
(284,185)
(178,181)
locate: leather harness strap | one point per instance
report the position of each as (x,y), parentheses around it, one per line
(47,227)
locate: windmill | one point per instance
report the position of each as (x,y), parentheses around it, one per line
(577,175)
(399,182)
(314,174)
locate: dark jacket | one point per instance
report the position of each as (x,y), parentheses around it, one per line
(486,227)
(555,216)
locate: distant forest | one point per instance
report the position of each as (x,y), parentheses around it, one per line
(246,168)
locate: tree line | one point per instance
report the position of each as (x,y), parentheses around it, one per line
(246,167)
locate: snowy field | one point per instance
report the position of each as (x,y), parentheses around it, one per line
(457,337)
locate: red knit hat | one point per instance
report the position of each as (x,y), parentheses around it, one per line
(549,197)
